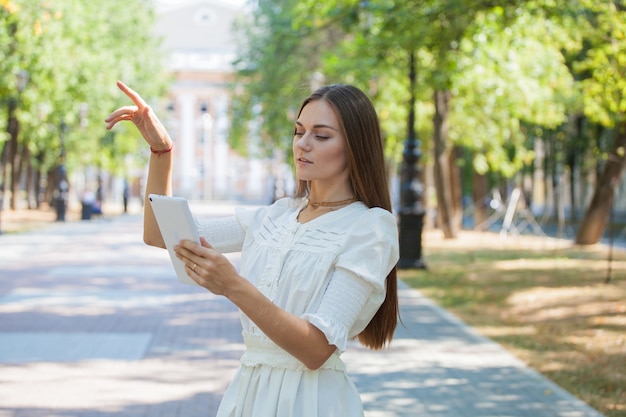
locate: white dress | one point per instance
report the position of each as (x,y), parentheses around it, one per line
(330,271)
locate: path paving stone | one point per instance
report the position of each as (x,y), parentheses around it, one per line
(93,323)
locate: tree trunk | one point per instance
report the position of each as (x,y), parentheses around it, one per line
(575,155)
(51,182)
(445,210)
(3,171)
(29,172)
(39,174)
(559,204)
(595,220)
(14,161)
(456,188)
(548,172)
(479,197)
(572,165)
(13,127)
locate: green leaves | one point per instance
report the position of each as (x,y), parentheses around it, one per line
(74,51)
(280,53)
(509,64)
(605,88)
(509,75)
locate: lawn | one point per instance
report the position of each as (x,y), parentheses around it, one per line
(544,300)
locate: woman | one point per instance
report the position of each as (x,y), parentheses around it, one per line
(317,270)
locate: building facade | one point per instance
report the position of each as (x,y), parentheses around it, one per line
(199,40)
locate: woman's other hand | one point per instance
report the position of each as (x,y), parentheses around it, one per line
(143,117)
(209,268)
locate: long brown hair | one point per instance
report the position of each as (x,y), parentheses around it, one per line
(366,164)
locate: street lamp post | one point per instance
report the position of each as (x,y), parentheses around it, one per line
(411,190)
(62,191)
(13,129)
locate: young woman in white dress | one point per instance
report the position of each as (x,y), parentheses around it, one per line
(317,270)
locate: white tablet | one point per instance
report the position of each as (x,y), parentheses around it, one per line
(176,223)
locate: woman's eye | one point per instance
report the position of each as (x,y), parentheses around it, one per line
(322,137)
(299,133)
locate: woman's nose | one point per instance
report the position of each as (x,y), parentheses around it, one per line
(304,142)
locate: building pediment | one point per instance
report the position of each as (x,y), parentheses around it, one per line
(198,34)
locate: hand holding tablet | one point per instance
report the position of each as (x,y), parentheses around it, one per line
(176,223)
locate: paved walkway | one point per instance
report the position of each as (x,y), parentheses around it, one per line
(93,323)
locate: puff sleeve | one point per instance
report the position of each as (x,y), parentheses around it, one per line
(357,286)
(225,234)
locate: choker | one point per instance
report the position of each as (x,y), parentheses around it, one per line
(333,203)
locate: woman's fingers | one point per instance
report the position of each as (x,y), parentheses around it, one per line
(195,268)
(142,116)
(112,121)
(208,268)
(132,94)
(123,113)
(189,252)
(192,253)
(133,113)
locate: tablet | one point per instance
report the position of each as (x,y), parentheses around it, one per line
(175,223)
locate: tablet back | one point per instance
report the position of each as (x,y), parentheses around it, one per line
(175,223)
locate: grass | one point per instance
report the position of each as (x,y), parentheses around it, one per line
(544,300)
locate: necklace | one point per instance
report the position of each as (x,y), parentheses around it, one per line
(333,203)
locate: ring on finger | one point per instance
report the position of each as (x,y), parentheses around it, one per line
(194,267)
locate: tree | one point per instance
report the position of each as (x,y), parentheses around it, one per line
(479,61)
(279,55)
(605,103)
(73,52)
(488,74)
(512,84)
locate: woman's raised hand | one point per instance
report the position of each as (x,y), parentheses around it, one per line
(143,117)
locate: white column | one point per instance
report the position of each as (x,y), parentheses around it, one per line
(186,145)
(220,148)
(208,158)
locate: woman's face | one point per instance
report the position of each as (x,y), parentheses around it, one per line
(318,145)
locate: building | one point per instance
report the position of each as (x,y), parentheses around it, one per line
(198,36)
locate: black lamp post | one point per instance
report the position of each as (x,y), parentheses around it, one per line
(61,193)
(62,189)
(411,190)
(13,129)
